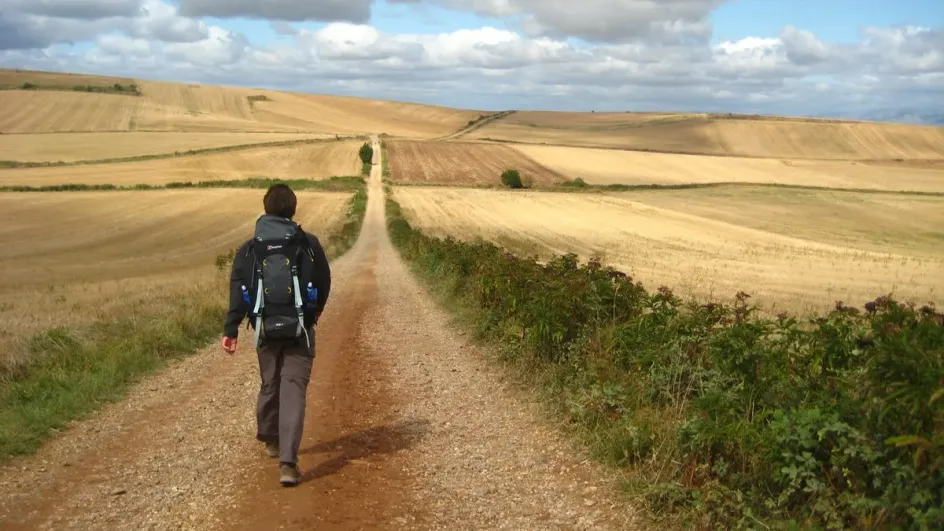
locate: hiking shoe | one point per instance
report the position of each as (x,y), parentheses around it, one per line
(272,449)
(290,475)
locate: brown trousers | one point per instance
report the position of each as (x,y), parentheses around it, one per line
(285,369)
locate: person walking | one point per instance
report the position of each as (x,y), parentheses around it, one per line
(281,280)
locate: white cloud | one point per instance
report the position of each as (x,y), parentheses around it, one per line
(74,9)
(905,50)
(343,41)
(161,22)
(803,48)
(492,67)
(599,20)
(41,23)
(296,10)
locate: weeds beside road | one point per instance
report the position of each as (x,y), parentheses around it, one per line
(70,371)
(722,418)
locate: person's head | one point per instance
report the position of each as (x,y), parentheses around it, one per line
(280,201)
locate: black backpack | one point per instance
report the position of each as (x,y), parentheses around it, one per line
(281,288)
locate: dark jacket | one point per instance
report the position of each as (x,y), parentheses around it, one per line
(242,275)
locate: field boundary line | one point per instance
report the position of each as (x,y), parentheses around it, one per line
(601,188)
(13,164)
(337,183)
(692,153)
(86,89)
(168,132)
(478,123)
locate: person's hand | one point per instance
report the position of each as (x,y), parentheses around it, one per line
(229,344)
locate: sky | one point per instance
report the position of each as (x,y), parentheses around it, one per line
(855,58)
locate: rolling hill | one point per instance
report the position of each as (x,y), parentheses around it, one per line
(726,135)
(57,104)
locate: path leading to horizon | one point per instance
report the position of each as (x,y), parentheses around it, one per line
(407,427)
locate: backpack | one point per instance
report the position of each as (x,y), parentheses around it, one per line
(283,261)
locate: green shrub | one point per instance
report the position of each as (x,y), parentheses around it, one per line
(28,86)
(511,179)
(366,153)
(727,419)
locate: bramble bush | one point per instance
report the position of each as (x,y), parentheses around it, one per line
(726,417)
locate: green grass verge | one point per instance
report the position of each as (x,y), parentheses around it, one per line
(719,417)
(365,168)
(384,165)
(80,369)
(333,184)
(480,121)
(188,153)
(342,239)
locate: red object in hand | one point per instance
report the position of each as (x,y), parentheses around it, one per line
(229,344)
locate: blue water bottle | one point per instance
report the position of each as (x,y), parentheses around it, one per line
(246,295)
(312,293)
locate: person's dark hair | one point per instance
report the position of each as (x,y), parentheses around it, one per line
(280,201)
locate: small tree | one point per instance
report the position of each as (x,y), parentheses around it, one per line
(511,179)
(366,153)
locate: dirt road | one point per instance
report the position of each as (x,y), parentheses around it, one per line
(407,427)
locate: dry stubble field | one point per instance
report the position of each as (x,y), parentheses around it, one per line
(610,166)
(182,107)
(101,253)
(76,257)
(71,147)
(16,77)
(790,249)
(466,163)
(713,135)
(320,160)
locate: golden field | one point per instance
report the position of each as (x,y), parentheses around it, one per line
(46,111)
(790,249)
(798,249)
(16,77)
(72,258)
(71,147)
(182,107)
(440,162)
(611,166)
(320,160)
(792,138)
